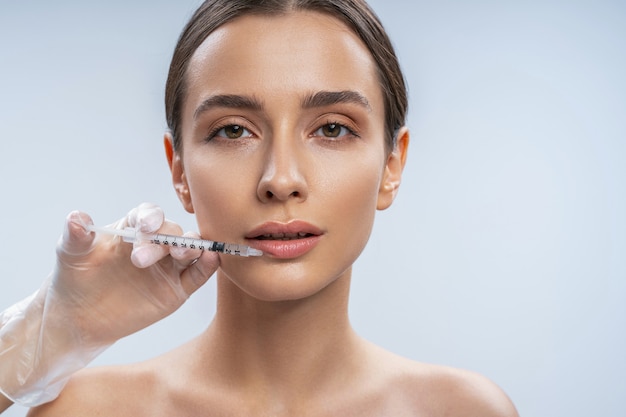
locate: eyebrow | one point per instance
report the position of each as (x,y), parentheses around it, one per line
(233,101)
(327,98)
(319,99)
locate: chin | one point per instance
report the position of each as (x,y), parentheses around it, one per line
(286,285)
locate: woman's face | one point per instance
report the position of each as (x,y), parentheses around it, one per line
(283,150)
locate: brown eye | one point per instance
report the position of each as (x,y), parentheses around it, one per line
(230,132)
(334,131)
(233,131)
(331,130)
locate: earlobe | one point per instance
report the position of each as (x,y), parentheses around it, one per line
(393,170)
(179,178)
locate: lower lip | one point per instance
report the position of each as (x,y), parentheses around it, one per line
(285,249)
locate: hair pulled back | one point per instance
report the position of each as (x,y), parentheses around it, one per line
(355,13)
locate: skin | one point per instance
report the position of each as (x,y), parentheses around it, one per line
(4,403)
(281,343)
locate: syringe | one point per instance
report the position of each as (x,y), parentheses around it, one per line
(131,234)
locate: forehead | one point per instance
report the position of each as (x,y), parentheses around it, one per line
(291,53)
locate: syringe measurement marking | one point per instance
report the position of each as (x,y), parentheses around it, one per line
(177,241)
(130,235)
(193,244)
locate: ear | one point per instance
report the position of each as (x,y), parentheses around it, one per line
(393,170)
(179,178)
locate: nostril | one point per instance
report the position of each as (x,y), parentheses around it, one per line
(276,191)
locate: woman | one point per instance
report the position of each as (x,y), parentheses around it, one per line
(287,134)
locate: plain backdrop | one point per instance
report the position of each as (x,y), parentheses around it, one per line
(505,250)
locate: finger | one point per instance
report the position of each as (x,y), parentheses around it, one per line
(146,217)
(147,254)
(198,273)
(186,255)
(76,240)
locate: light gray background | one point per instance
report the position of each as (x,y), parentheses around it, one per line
(504,252)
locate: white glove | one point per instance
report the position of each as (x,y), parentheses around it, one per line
(101,290)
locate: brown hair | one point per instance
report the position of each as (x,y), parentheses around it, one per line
(355,13)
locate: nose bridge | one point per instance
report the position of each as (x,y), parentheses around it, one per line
(283,177)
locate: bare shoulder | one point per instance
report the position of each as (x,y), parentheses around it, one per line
(442,390)
(103,391)
(458,392)
(433,390)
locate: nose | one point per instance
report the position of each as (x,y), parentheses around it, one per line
(283,177)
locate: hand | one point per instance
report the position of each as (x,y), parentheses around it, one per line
(101,290)
(111,289)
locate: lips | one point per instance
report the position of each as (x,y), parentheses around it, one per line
(283,236)
(285,240)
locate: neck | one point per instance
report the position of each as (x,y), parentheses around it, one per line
(284,345)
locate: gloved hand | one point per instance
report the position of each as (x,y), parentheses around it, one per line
(101,290)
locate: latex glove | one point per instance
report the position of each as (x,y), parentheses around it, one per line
(101,290)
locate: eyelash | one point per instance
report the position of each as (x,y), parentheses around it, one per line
(350,131)
(213,133)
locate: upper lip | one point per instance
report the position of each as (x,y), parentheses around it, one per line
(278,230)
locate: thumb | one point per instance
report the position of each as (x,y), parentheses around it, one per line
(76,240)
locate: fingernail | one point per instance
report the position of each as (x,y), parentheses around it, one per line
(141,256)
(150,219)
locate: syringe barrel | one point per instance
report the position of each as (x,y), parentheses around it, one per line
(202,244)
(131,235)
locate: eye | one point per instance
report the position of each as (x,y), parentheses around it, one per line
(232,131)
(333,130)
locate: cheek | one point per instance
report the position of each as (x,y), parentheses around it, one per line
(342,190)
(220,195)
(354,194)
(356,177)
